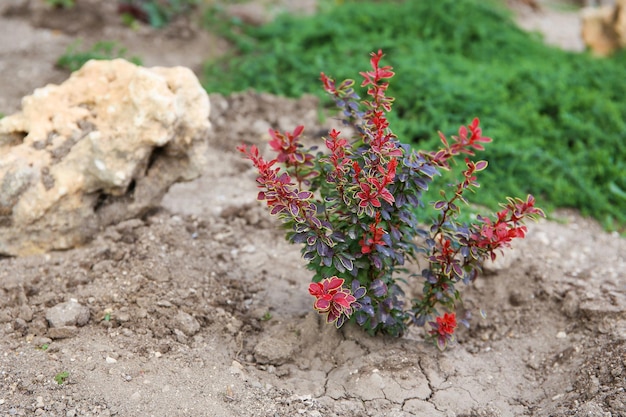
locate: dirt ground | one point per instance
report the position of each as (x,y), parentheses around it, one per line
(201,308)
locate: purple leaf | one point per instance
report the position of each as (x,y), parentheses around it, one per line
(338,265)
(458,271)
(378,263)
(359,292)
(347,263)
(440,205)
(277,209)
(295,210)
(378,288)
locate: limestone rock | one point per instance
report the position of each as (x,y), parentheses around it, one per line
(604,28)
(100,148)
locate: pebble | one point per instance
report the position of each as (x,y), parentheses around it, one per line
(110,360)
(25,313)
(70,313)
(186,323)
(62,332)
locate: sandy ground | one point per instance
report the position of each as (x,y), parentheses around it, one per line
(201,309)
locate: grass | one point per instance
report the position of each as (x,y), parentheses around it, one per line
(74,58)
(558,119)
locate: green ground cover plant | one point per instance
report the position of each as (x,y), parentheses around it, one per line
(75,56)
(560,117)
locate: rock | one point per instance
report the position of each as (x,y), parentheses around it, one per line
(70,313)
(504,260)
(517,298)
(101,148)
(25,312)
(186,323)
(604,28)
(64,332)
(571,303)
(20,326)
(5,316)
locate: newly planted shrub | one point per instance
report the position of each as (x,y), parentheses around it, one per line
(352,208)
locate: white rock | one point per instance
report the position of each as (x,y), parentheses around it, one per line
(100,148)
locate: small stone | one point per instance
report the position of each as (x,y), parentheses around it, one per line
(110,360)
(180,337)
(70,313)
(136,396)
(20,326)
(186,323)
(237,369)
(561,335)
(571,304)
(62,332)
(516,298)
(5,317)
(127,332)
(123,317)
(25,313)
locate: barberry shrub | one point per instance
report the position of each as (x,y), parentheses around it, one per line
(352,208)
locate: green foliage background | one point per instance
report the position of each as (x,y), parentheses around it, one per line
(558,119)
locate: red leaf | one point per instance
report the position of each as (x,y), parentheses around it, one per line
(298,131)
